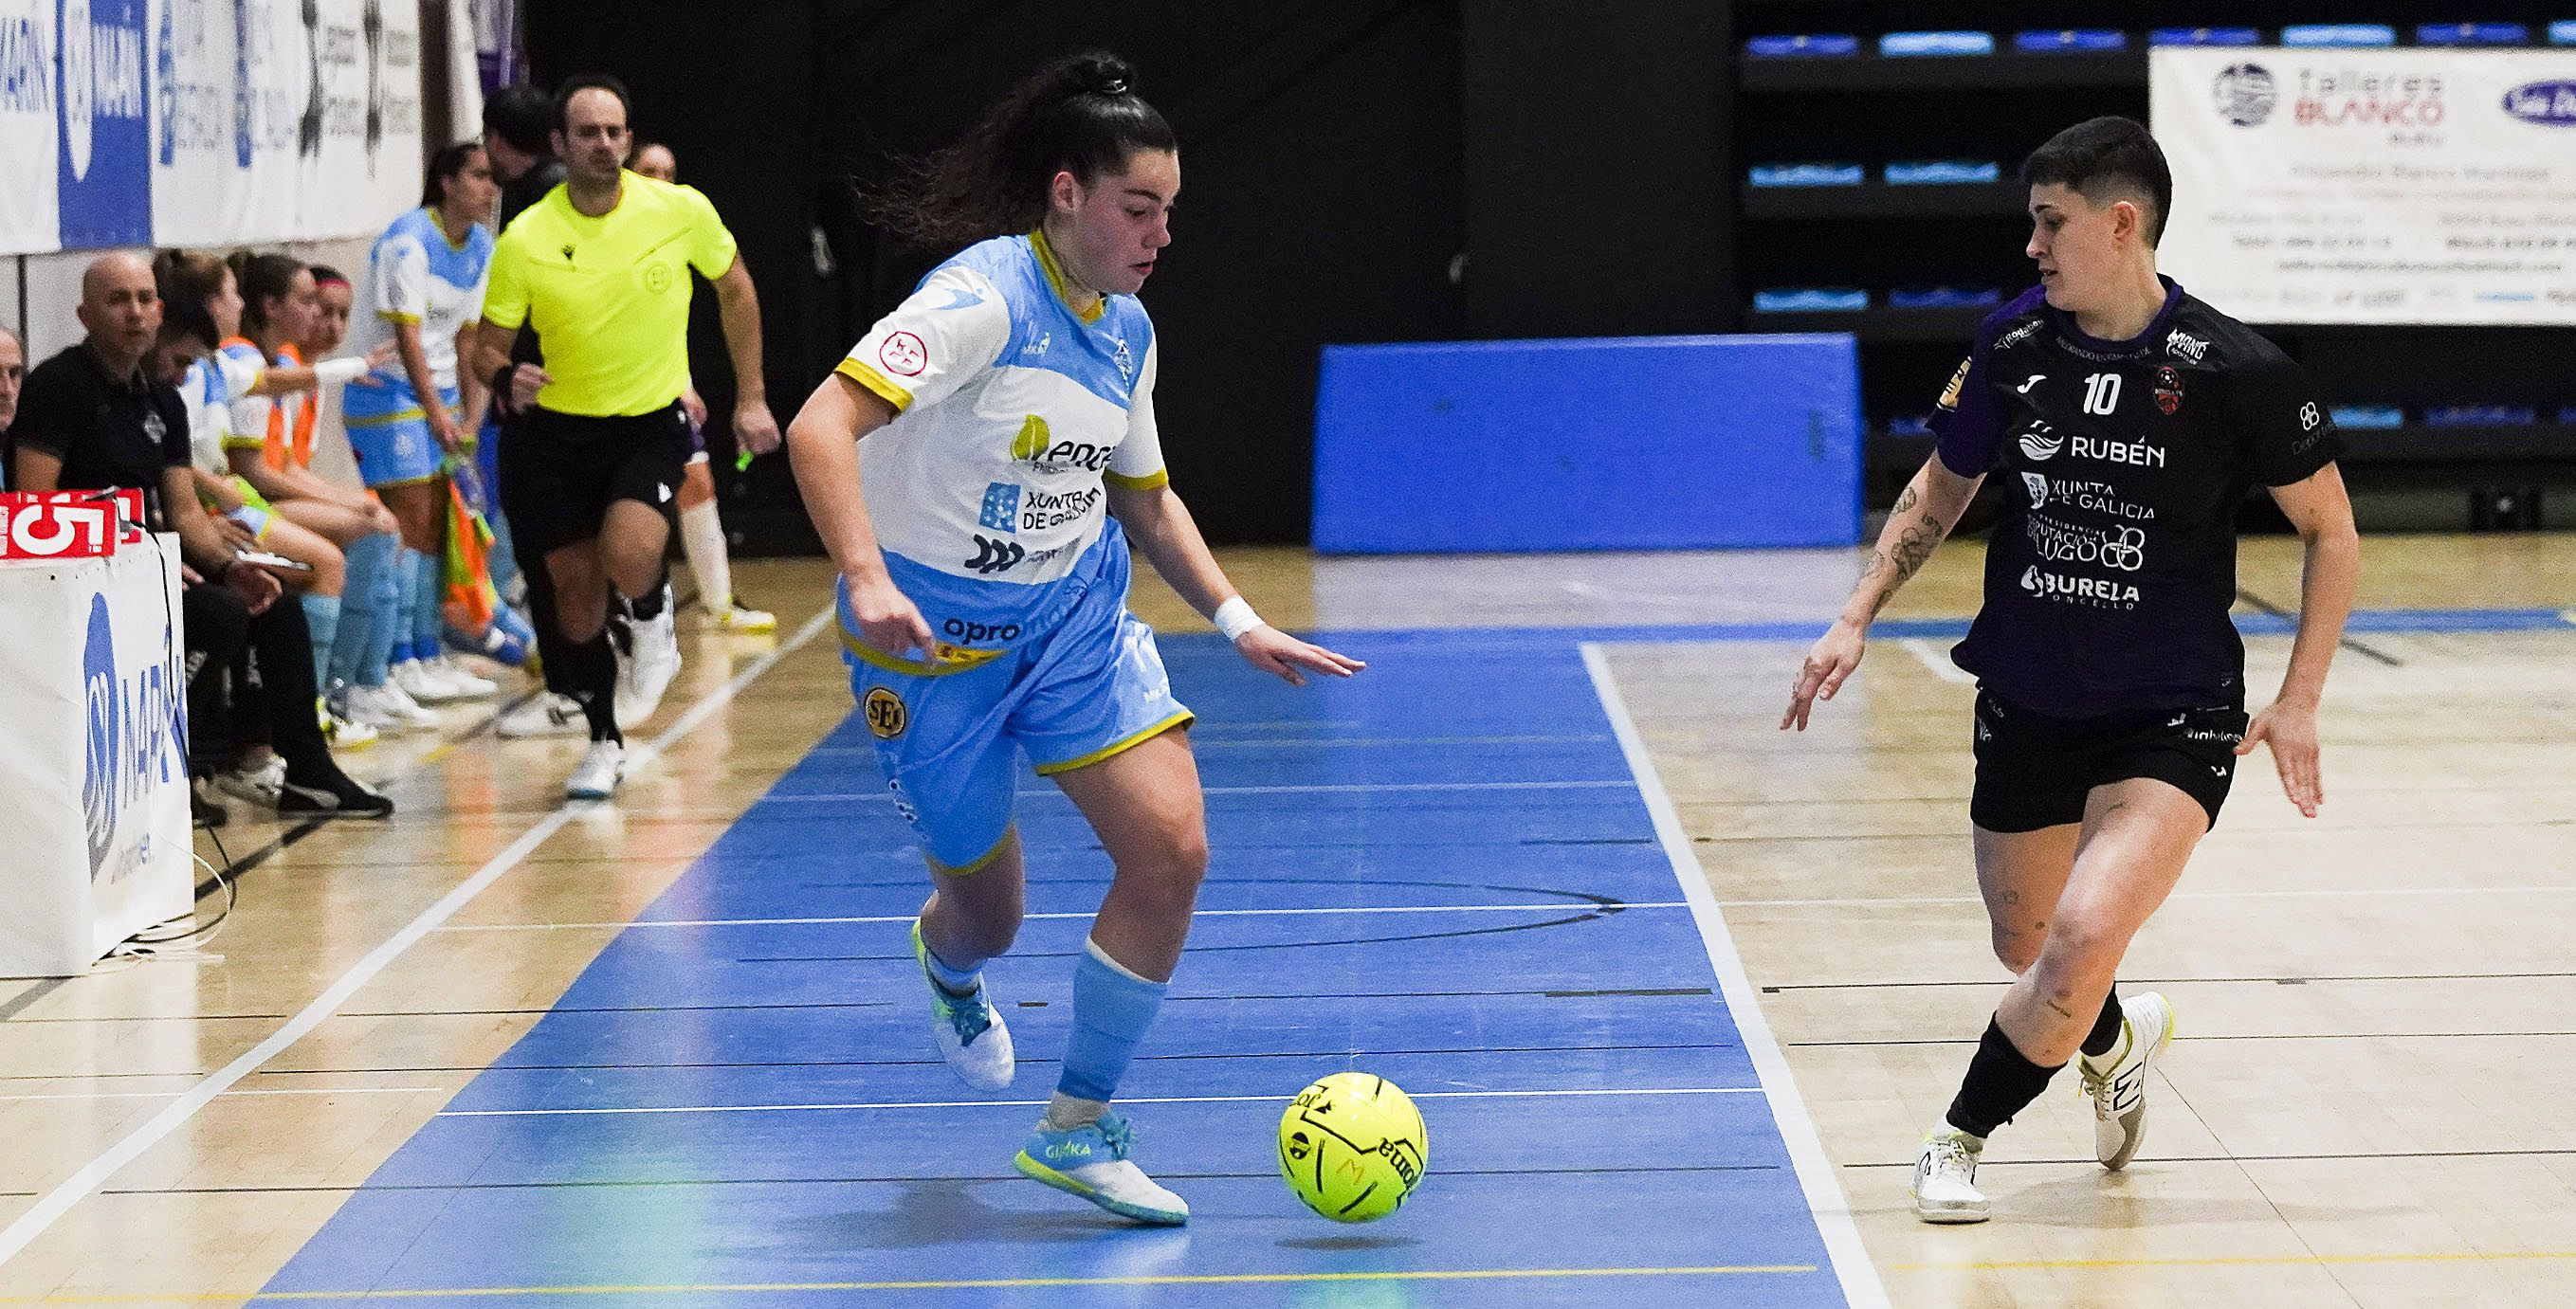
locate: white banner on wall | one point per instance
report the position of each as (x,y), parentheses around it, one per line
(205,122)
(2372,186)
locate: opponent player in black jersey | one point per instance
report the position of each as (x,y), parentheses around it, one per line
(2127,422)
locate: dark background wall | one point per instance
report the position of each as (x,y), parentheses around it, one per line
(1353,171)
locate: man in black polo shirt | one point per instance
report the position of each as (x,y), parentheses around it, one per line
(105,413)
(2126,422)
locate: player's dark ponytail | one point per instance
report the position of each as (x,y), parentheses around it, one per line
(262,278)
(1080,114)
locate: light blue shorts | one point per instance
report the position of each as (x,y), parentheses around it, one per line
(1061,674)
(389,433)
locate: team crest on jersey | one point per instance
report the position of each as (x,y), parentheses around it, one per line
(2168,390)
(885,713)
(1126,363)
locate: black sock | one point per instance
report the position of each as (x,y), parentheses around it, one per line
(1999,1084)
(648,606)
(590,677)
(2106,1028)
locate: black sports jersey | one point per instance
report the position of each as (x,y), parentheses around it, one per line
(2111,573)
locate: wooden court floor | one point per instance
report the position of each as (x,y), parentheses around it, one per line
(2378,1012)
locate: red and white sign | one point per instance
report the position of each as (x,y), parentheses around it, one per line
(68,524)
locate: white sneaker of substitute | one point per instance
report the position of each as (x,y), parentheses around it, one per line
(602,768)
(1945,1178)
(545,714)
(385,708)
(2117,1081)
(260,785)
(463,680)
(736,618)
(344,733)
(422,682)
(647,669)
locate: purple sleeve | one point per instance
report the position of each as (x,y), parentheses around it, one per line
(1967,427)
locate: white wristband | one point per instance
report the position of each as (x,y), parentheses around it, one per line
(337,372)
(1235,617)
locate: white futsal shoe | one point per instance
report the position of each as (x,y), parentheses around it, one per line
(1945,1178)
(2117,1082)
(645,668)
(603,766)
(970,1034)
(1091,1161)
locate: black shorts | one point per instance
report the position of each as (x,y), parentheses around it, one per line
(2035,771)
(560,472)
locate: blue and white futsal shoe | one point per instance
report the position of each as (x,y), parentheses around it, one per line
(1091,1162)
(971,1036)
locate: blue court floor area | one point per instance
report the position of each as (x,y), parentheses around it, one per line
(1441,872)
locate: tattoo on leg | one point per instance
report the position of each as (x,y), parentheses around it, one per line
(2062,1011)
(1907,499)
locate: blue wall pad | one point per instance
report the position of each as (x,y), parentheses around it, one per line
(1637,443)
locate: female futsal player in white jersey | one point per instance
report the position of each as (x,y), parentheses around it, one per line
(981,529)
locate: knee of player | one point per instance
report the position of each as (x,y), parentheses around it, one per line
(2017,951)
(1172,867)
(2080,944)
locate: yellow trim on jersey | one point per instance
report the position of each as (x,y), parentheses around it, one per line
(379,420)
(979,863)
(236,441)
(397,316)
(1118,748)
(875,381)
(1055,278)
(945,659)
(1155,480)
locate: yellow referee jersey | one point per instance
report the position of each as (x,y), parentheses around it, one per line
(609,296)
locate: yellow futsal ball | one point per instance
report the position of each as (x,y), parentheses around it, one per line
(1353,1147)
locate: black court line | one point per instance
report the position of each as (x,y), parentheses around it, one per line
(2348,641)
(935,1063)
(891,1180)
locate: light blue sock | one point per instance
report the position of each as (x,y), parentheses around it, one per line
(406,601)
(1112,1007)
(322,616)
(427,618)
(366,610)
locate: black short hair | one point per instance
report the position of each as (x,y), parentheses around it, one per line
(325,273)
(592,82)
(522,115)
(2106,159)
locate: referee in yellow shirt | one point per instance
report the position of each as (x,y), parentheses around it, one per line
(600,267)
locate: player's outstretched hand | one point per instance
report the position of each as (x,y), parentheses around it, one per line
(2291,730)
(755,428)
(1832,659)
(1281,655)
(888,619)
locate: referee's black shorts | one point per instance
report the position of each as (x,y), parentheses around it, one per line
(560,472)
(2035,770)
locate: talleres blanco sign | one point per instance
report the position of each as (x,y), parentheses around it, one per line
(2372,186)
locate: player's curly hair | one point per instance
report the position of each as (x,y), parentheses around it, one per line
(1080,114)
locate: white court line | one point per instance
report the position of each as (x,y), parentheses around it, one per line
(1939,663)
(1852,1268)
(1321,788)
(72,1190)
(1585,905)
(2360,892)
(1040,1104)
(170,1095)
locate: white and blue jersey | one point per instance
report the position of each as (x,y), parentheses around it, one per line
(1014,416)
(417,276)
